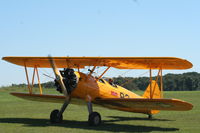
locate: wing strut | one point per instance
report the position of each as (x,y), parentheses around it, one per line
(27,78)
(30,86)
(161,82)
(91,71)
(152,88)
(150,75)
(38,77)
(103,73)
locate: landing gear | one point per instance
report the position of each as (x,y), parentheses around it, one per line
(94,119)
(54,118)
(56,115)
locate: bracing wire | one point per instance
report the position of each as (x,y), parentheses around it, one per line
(128,81)
(126,72)
(46,74)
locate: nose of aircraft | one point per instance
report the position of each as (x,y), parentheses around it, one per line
(77,75)
(70,80)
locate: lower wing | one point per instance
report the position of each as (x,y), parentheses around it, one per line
(47,98)
(126,104)
(40,97)
(145,104)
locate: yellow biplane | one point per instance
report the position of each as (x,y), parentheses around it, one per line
(76,85)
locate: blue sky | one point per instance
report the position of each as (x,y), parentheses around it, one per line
(97,28)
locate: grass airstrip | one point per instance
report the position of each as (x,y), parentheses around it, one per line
(21,116)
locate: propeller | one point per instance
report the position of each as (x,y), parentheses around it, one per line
(59,78)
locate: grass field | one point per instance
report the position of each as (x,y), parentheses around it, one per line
(21,116)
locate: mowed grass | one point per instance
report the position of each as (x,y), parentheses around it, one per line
(21,116)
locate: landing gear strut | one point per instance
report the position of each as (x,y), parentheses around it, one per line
(94,118)
(56,115)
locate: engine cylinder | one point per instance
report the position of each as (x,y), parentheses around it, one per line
(70,80)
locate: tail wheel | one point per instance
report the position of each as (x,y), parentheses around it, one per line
(94,119)
(54,117)
(150,116)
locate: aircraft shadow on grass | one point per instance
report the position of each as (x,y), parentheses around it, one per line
(122,118)
(106,125)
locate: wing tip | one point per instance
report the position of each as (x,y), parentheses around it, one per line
(4,58)
(187,63)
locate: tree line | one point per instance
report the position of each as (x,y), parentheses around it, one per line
(171,82)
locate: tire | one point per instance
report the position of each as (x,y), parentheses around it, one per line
(150,117)
(94,119)
(54,117)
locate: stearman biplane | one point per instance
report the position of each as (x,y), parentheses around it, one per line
(96,90)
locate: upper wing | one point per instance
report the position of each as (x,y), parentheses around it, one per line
(132,104)
(117,62)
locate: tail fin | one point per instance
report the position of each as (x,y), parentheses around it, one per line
(155,92)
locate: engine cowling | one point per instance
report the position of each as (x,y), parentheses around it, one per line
(70,80)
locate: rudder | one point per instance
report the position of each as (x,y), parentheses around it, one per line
(155,92)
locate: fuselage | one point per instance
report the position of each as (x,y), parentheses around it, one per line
(99,88)
(90,86)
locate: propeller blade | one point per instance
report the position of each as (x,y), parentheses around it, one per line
(59,78)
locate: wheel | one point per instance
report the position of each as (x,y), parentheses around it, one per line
(94,119)
(150,116)
(54,117)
